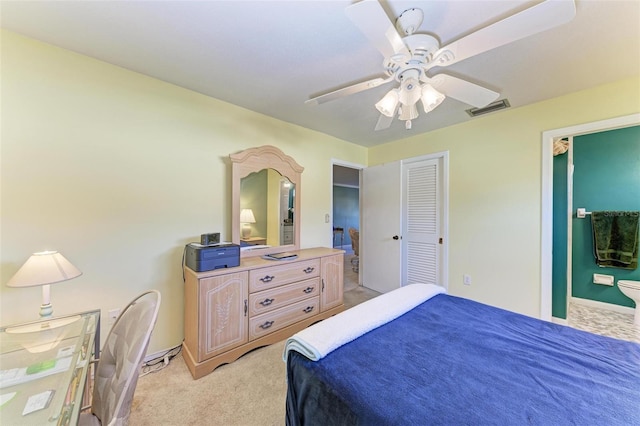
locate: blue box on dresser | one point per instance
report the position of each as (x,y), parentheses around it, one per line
(201,258)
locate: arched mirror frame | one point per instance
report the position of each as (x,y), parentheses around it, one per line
(253,160)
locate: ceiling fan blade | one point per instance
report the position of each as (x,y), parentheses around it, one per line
(349,90)
(536,19)
(384,122)
(372,20)
(462,90)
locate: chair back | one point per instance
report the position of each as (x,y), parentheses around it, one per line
(355,240)
(119,365)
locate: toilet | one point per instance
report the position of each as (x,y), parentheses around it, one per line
(631,289)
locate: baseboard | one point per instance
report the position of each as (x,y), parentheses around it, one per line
(603,305)
(159,354)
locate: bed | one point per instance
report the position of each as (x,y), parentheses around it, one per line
(448,360)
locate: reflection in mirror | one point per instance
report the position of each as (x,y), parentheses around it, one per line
(266,209)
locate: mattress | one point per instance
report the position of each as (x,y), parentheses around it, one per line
(455,361)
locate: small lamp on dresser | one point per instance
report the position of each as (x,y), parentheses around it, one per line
(246,218)
(42,269)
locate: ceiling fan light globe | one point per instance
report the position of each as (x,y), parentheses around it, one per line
(389,103)
(431,98)
(408,112)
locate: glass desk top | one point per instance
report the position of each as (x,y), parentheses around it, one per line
(43,368)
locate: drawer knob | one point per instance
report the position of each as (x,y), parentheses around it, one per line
(267,278)
(307,309)
(266,325)
(308,270)
(267,302)
(308,290)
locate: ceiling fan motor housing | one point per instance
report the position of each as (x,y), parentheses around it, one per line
(422,47)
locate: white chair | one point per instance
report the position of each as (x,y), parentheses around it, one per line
(119,364)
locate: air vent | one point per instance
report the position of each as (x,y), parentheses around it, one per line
(495,106)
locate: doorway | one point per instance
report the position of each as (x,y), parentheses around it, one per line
(546,246)
(345,216)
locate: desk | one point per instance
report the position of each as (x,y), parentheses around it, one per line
(49,358)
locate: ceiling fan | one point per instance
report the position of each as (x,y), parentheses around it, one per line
(409,56)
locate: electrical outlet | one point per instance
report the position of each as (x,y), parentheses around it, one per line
(113,315)
(466,279)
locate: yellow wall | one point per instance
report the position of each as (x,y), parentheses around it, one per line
(118,171)
(495,189)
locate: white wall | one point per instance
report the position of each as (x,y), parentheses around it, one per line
(118,171)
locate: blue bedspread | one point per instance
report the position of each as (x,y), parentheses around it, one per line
(452,361)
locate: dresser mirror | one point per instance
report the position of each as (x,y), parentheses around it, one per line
(265,201)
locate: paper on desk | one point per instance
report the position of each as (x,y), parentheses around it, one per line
(38,402)
(62,364)
(6,397)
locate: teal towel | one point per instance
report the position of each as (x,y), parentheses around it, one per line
(615,238)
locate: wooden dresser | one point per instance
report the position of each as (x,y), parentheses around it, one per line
(228,312)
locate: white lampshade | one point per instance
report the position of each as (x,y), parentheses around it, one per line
(44,268)
(408,112)
(389,103)
(246,216)
(431,98)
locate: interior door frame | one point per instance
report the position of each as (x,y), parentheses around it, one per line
(546,237)
(356,166)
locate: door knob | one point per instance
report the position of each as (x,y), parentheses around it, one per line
(395,237)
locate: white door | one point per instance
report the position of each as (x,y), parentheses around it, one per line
(380,260)
(404,211)
(421,236)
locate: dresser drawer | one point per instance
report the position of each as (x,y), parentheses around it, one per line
(285,273)
(269,322)
(268,300)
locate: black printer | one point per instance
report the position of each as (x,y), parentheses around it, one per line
(207,258)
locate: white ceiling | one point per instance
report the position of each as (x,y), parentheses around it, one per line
(271,56)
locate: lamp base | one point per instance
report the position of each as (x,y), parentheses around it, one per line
(246,231)
(46,310)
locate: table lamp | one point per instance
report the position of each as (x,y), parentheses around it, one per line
(246,218)
(44,268)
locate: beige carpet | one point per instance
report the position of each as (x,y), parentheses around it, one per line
(249,391)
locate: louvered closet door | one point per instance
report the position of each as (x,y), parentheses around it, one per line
(421,222)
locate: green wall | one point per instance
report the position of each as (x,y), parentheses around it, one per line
(606,177)
(559,269)
(346,210)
